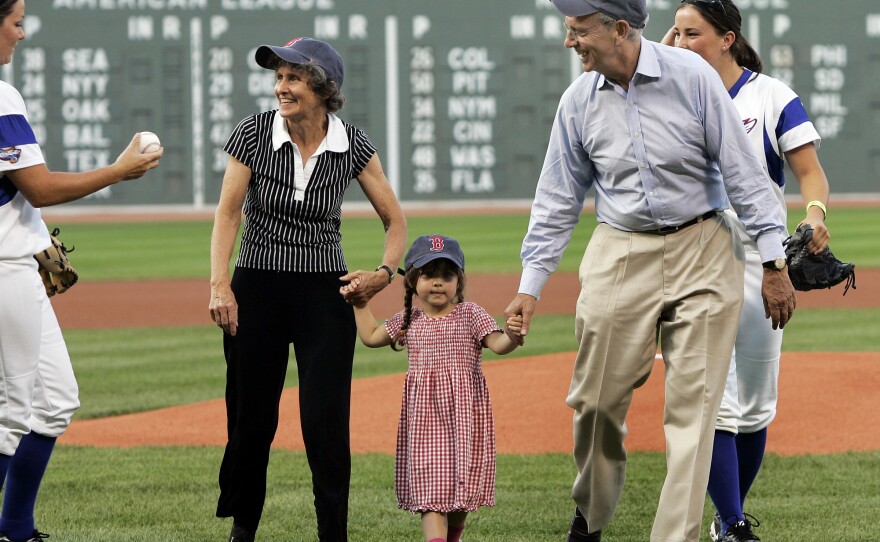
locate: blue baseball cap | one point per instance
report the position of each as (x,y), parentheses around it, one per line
(635,12)
(303,51)
(428,248)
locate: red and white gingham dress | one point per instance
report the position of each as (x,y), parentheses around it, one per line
(446,435)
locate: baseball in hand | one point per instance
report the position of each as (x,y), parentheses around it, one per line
(149,143)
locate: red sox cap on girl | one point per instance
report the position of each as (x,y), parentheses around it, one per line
(428,248)
(635,12)
(302,51)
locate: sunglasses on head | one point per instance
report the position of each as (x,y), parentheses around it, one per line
(718,4)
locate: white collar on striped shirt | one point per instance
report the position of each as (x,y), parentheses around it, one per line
(336,139)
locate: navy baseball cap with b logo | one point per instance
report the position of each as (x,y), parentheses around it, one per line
(432,247)
(303,51)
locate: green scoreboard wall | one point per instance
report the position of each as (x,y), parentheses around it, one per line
(457,95)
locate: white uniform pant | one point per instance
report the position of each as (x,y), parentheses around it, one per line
(38,389)
(752,390)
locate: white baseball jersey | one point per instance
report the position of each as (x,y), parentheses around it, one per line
(776,122)
(22,232)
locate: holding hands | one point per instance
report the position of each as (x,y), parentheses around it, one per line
(349,290)
(363,285)
(354,290)
(514,329)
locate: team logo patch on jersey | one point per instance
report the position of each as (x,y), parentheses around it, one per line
(10,154)
(750,124)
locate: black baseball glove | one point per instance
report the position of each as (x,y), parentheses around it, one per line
(811,271)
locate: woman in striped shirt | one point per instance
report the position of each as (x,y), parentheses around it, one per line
(287,174)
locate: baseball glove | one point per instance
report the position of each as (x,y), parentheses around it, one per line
(55,269)
(811,271)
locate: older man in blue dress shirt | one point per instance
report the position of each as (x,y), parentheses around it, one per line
(654,131)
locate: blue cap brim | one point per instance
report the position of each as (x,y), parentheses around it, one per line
(427,258)
(266,53)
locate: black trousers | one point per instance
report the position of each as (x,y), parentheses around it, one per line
(276,309)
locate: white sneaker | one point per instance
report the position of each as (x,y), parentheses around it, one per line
(715,529)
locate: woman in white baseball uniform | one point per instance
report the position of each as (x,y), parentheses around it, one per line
(38,391)
(780,129)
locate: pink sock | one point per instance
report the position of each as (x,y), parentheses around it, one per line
(453,534)
(437,540)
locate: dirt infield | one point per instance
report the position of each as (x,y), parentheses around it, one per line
(831,391)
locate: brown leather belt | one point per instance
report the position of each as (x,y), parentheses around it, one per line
(672,229)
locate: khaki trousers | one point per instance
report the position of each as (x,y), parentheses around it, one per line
(684,289)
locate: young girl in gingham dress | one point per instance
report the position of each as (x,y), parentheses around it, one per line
(445,465)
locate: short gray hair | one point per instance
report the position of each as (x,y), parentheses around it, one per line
(607,21)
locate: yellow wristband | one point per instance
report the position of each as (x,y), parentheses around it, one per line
(819,204)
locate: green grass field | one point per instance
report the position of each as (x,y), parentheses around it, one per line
(169,494)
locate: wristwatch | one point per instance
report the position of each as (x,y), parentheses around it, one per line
(391,272)
(778,264)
